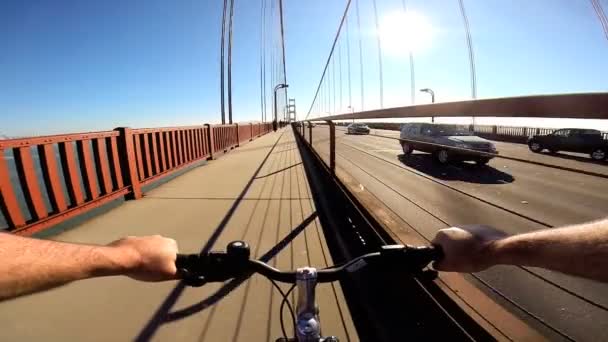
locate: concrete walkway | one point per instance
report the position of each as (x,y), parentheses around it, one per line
(258,193)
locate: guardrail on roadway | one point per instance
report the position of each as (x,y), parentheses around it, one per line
(62,176)
(513,134)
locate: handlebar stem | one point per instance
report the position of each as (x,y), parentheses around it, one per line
(308,327)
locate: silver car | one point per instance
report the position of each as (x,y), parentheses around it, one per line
(357,128)
(445,142)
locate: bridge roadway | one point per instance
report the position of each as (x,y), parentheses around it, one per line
(428,197)
(258,193)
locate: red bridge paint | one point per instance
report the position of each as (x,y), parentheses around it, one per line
(110,164)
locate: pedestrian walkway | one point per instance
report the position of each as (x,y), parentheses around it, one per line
(258,193)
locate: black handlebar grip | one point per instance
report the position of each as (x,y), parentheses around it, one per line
(437,252)
(181,261)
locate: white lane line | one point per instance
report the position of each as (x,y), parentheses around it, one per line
(387,150)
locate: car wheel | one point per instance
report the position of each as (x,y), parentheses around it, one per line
(482,161)
(535,146)
(442,156)
(598,154)
(407,149)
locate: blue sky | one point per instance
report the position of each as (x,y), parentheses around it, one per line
(86,65)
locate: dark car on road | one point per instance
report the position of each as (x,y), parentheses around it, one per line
(357,128)
(589,141)
(445,142)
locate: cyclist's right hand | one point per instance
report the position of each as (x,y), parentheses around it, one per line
(147,258)
(467,249)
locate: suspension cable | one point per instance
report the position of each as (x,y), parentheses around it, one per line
(222,41)
(379,54)
(230,21)
(330,54)
(262,3)
(350,94)
(333,79)
(411,55)
(340,73)
(470,48)
(597,7)
(264,58)
(360,57)
(283,50)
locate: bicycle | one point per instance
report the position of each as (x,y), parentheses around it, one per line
(199,269)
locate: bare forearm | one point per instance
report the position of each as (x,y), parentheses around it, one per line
(31,265)
(578,250)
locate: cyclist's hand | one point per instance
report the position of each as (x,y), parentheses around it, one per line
(152,258)
(466,249)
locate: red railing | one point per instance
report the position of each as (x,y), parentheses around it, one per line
(245,133)
(55,178)
(224,138)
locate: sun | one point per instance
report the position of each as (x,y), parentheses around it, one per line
(401,32)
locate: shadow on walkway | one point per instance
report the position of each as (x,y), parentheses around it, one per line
(159,316)
(234,283)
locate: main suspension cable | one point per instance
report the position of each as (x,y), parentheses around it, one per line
(597,7)
(330,55)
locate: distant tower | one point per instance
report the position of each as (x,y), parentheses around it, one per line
(292,110)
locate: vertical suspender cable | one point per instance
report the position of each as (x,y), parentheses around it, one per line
(350,94)
(470,48)
(379,54)
(261,58)
(230,21)
(471,55)
(340,74)
(329,57)
(283,50)
(272,57)
(222,62)
(333,81)
(412,75)
(360,57)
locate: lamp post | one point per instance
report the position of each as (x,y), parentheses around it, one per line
(430,91)
(275,123)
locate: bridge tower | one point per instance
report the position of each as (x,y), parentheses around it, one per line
(291,110)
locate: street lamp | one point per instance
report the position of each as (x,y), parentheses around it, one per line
(430,91)
(277,87)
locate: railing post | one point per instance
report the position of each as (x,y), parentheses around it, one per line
(310,133)
(238,140)
(210,140)
(251,127)
(128,165)
(332,146)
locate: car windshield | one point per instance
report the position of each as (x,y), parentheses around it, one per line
(448,130)
(358,125)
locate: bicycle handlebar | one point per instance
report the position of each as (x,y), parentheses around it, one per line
(197,270)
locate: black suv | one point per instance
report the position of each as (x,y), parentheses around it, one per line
(588,141)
